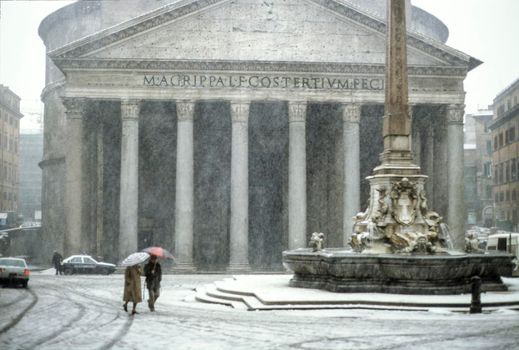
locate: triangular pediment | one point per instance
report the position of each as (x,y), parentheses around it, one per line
(254,30)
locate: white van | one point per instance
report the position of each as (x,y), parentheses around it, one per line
(506,243)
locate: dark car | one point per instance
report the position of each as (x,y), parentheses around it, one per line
(14,271)
(85,264)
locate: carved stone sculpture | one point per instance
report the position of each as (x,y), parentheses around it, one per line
(398,222)
(383,208)
(472,243)
(404,198)
(316,241)
(359,241)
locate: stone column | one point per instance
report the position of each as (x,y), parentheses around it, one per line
(74,205)
(440,164)
(456,206)
(184,187)
(351,121)
(297,175)
(100,191)
(427,158)
(128,204)
(239,240)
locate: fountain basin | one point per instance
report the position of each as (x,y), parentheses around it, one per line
(344,271)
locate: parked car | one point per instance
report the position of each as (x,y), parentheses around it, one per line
(85,264)
(506,242)
(14,271)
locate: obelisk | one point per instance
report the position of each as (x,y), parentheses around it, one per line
(397,219)
(396,157)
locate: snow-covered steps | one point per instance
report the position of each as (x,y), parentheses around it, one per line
(206,295)
(272,292)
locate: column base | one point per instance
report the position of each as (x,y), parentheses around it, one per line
(238,268)
(184,268)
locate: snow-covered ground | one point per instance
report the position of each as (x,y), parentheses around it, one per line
(85,312)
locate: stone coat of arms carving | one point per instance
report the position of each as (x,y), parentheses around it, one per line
(404,197)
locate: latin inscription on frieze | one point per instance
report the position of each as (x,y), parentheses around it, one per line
(262,82)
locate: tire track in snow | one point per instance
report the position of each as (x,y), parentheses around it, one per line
(102,302)
(79,315)
(125,327)
(16,300)
(59,297)
(119,335)
(20,316)
(394,341)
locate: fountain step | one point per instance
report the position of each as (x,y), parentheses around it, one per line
(251,302)
(203,294)
(272,292)
(238,301)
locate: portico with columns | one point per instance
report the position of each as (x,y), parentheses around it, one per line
(228,162)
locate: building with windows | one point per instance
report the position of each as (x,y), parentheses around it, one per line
(505,157)
(478,169)
(31,153)
(9,149)
(229,131)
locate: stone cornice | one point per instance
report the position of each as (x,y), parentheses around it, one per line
(253,66)
(129,28)
(509,115)
(184,8)
(50,88)
(51,162)
(433,48)
(11,111)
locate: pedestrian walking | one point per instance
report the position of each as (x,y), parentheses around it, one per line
(132,287)
(57,260)
(153,273)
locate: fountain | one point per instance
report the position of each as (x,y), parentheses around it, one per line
(398,245)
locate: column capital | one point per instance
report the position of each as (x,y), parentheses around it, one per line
(296,111)
(455,113)
(74,107)
(130,108)
(351,112)
(240,111)
(185,110)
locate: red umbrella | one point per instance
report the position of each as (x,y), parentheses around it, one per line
(159,252)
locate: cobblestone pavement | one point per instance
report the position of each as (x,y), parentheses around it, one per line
(85,312)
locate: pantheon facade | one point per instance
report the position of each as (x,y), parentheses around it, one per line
(230,130)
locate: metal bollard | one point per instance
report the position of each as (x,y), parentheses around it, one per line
(475,304)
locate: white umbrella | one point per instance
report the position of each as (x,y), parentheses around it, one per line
(135,258)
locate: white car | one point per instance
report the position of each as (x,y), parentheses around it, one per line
(506,242)
(79,264)
(14,271)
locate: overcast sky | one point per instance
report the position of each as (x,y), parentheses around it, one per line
(485,29)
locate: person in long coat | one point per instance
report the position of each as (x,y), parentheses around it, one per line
(153,273)
(57,259)
(132,287)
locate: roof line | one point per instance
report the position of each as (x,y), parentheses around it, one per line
(173,11)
